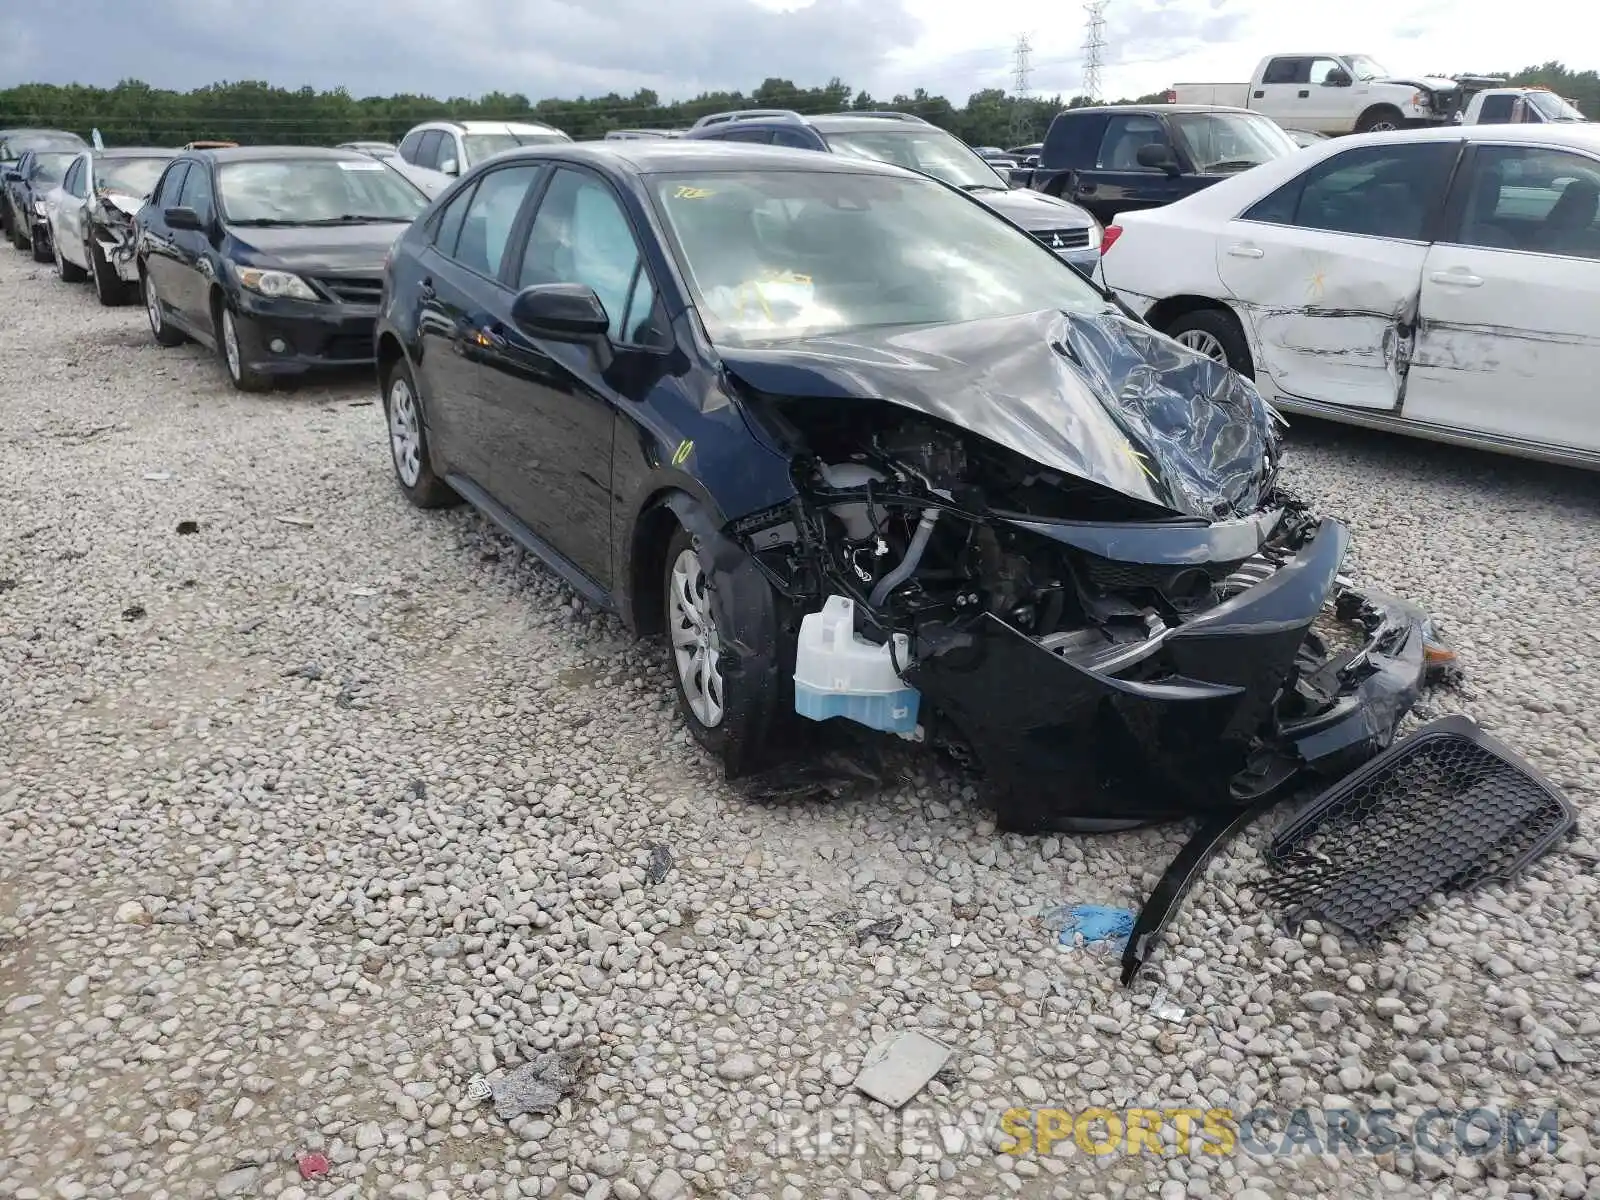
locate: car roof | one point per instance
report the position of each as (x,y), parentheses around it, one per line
(134,152)
(228,154)
(1160,108)
(489,126)
(651,156)
(1238,191)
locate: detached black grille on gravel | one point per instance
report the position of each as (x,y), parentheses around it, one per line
(1448,809)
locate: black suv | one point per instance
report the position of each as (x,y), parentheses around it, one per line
(908,141)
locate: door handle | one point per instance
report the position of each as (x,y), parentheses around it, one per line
(1246,251)
(1305,94)
(426,290)
(1085,189)
(1457,278)
(493,335)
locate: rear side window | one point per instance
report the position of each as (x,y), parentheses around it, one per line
(788,137)
(1073,140)
(1287,70)
(409,145)
(761,137)
(1376,191)
(490,214)
(447,230)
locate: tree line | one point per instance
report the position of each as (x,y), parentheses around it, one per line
(135,113)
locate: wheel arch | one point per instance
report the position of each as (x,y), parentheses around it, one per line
(1164,312)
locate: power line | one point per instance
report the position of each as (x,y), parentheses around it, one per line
(1094,47)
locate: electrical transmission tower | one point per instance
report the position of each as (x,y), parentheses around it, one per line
(1022,90)
(1094,48)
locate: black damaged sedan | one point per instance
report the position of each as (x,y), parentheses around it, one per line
(271,256)
(860,450)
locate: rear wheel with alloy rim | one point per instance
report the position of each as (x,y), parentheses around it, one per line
(408,442)
(164,334)
(239,372)
(1216,334)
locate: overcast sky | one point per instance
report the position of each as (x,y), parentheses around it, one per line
(547,48)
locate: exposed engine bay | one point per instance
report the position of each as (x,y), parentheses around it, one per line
(1105,661)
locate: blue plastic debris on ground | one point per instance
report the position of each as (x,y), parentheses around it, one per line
(1094,923)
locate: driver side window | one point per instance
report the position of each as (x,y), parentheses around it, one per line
(582,235)
(1125,134)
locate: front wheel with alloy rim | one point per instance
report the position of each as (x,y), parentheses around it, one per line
(1217,335)
(164,334)
(108,285)
(239,372)
(408,442)
(67,271)
(731,702)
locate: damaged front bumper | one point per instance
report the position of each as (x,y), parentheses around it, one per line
(1206,716)
(119,246)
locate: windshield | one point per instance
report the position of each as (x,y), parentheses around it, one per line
(1553,108)
(782,254)
(1231,141)
(922,148)
(486,145)
(318,191)
(16,147)
(129,176)
(1366,68)
(49,168)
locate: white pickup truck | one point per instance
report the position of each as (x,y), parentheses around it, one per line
(1338,93)
(1521,106)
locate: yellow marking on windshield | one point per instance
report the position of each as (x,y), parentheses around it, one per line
(681,455)
(692,193)
(1139,460)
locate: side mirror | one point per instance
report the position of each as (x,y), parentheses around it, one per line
(562,312)
(450,167)
(182,218)
(1157,156)
(1337,77)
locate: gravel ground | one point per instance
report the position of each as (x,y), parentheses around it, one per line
(305,824)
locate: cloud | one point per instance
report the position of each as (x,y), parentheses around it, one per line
(541,48)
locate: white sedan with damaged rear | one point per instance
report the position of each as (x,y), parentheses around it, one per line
(91,217)
(1443,283)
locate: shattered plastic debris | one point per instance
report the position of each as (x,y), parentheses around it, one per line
(534,1087)
(883,928)
(158,476)
(133,612)
(187,527)
(1165,1010)
(313,1165)
(900,1066)
(1093,923)
(832,776)
(478,1089)
(660,864)
(299,521)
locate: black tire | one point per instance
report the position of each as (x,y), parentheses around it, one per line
(753,689)
(14,229)
(1223,328)
(67,272)
(164,334)
(41,251)
(230,351)
(1380,118)
(108,285)
(419,483)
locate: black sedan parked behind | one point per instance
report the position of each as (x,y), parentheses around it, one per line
(272,256)
(862,449)
(35,173)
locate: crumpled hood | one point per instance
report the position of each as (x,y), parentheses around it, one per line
(313,249)
(123,202)
(1431,83)
(1100,397)
(1034,210)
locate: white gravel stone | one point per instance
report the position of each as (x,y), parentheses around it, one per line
(361,809)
